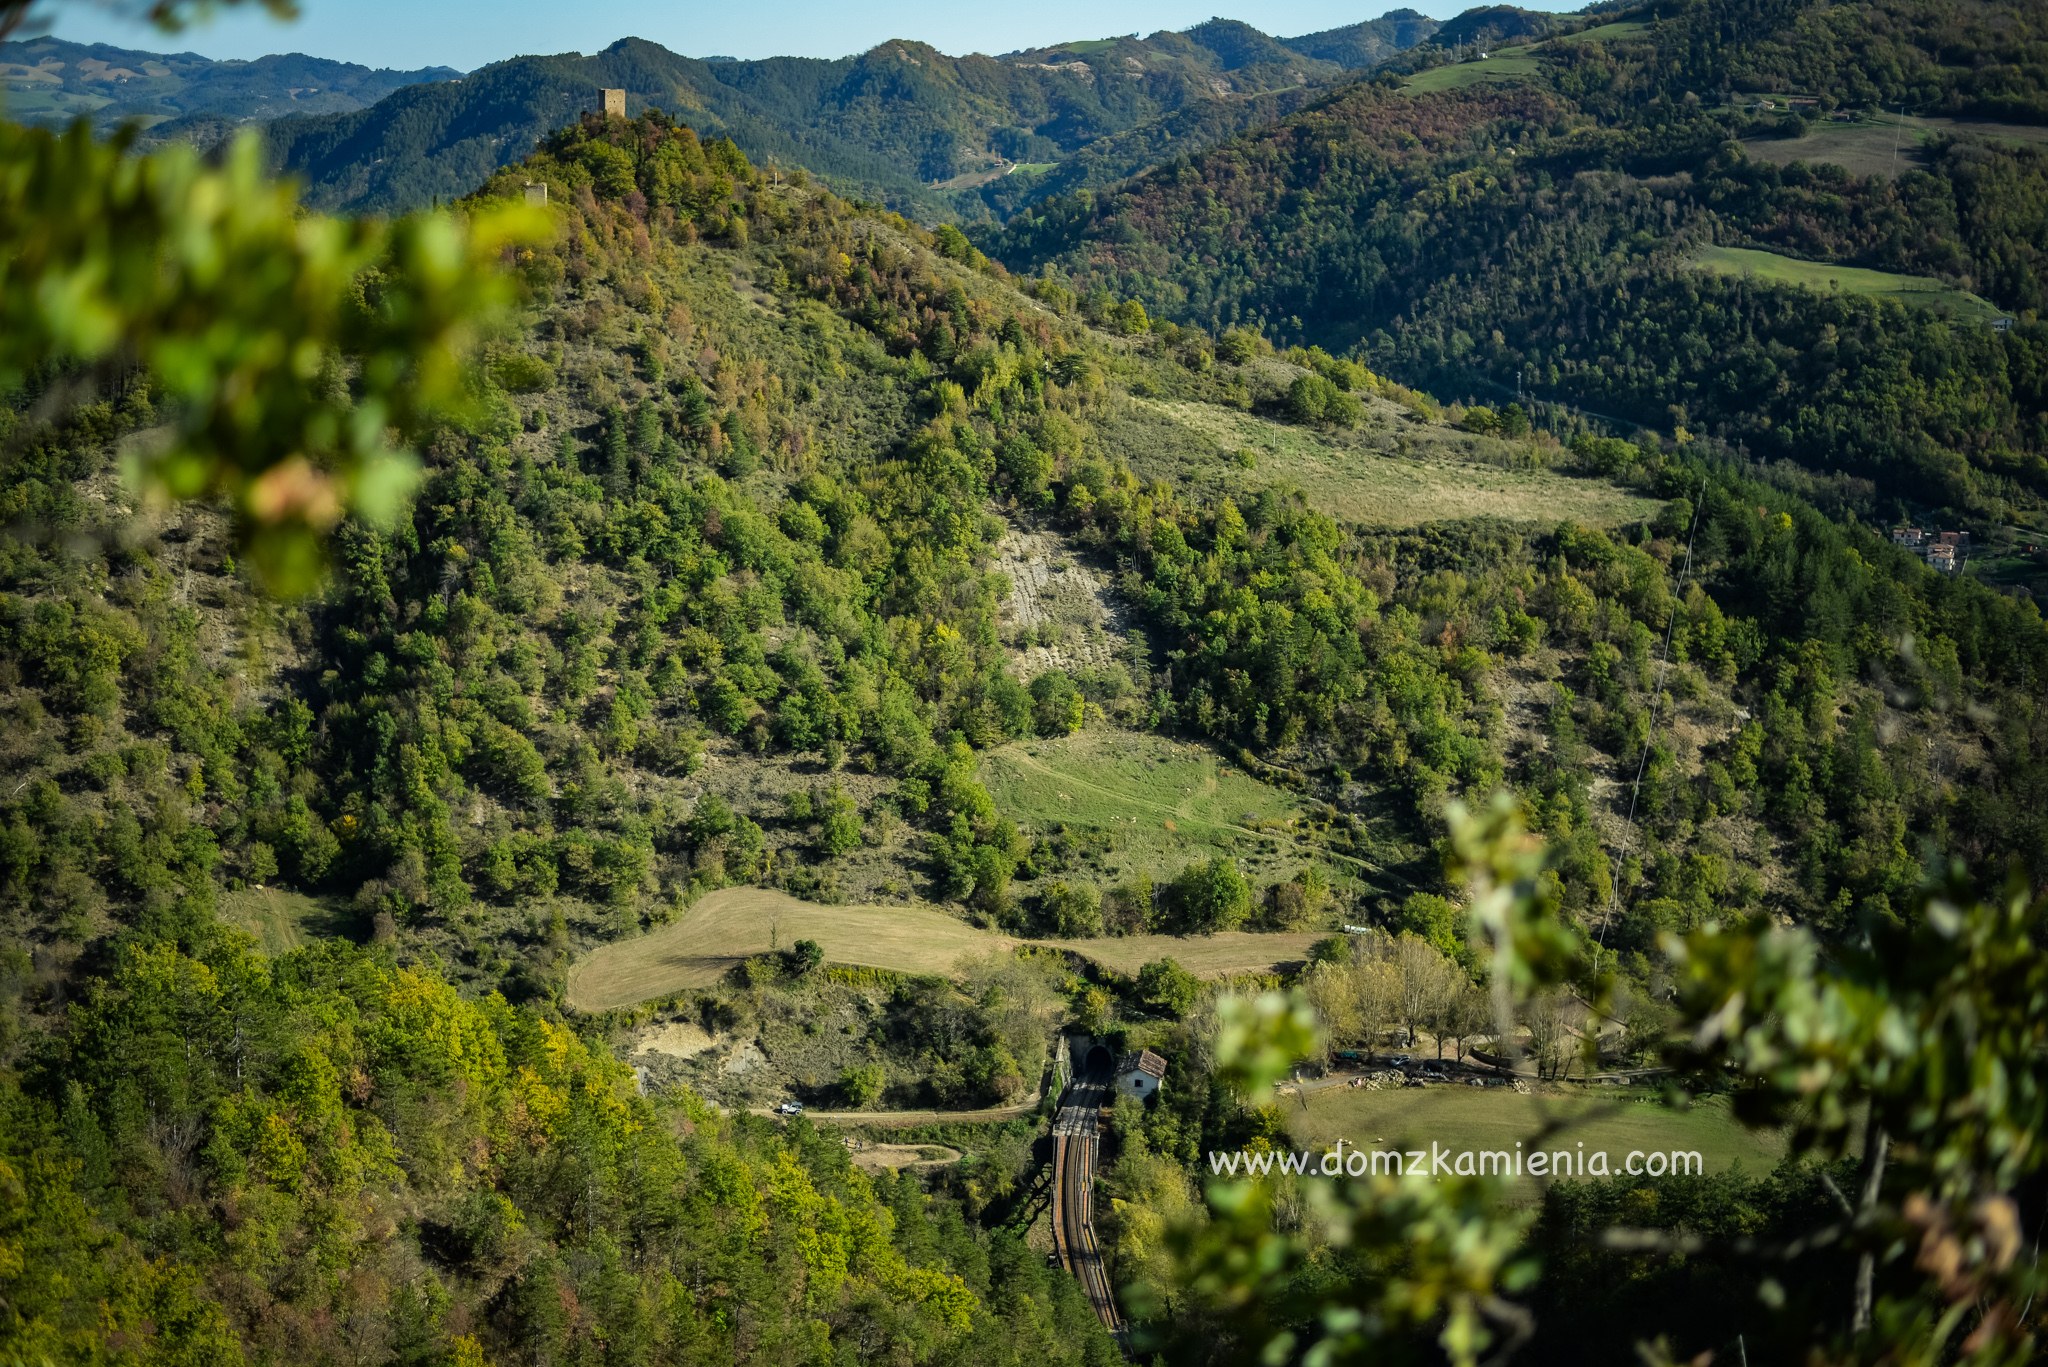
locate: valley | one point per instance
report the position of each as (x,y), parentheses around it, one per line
(745,710)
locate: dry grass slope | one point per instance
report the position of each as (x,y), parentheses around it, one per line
(1391,471)
(1884,144)
(727,926)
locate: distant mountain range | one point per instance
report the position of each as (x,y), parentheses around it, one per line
(1644,216)
(902,123)
(49,81)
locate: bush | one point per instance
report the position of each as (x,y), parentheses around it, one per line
(1317,399)
(519,373)
(1238,345)
(1164,987)
(1057,709)
(1437,920)
(861,1085)
(1210,896)
(1071,910)
(838,822)
(802,957)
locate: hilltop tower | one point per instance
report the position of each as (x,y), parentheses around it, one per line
(614,103)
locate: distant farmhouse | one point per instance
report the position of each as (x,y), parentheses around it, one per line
(1138,1073)
(1946,552)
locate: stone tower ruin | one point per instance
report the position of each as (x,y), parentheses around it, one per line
(614,104)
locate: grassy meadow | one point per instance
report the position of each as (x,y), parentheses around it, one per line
(1509,64)
(1626,28)
(281,921)
(1883,144)
(1390,471)
(1915,290)
(730,925)
(1161,803)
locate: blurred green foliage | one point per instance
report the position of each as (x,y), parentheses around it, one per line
(300,356)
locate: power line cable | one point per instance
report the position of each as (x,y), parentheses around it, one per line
(1656,708)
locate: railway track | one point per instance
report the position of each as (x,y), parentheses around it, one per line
(1077,1146)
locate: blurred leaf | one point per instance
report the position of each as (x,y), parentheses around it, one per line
(300,355)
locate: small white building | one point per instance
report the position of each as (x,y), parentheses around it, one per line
(1138,1073)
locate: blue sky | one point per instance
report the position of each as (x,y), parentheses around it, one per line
(470,33)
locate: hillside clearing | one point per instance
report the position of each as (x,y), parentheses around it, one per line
(1388,472)
(1624,28)
(280,921)
(1510,64)
(1884,144)
(1161,804)
(727,926)
(1868,147)
(872,1157)
(1829,278)
(1060,613)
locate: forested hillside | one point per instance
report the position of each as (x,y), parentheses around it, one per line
(299,1147)
(903,123)
(50,82)
(1541,222)
(702,589)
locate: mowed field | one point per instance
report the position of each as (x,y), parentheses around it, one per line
(1509,64)
(1600,33)
(1162,804)
(281,921)
(1915,290)
(1882,144)
(727,926)
(1390,471)
(1493,1118)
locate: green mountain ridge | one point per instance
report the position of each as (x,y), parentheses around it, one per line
(1530,221)
(1516,428)
(896,123)
(704,593)
(49,81)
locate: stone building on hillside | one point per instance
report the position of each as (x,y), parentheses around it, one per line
(1139,1072)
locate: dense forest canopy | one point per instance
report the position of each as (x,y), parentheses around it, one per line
(1540,235)
(688,565)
